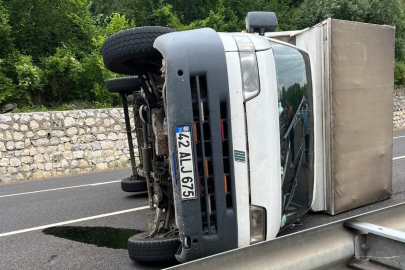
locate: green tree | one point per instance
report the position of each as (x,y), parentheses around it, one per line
(390,12)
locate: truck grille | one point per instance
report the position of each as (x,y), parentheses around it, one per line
(203,142)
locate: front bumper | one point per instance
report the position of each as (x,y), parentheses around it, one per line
(197,95)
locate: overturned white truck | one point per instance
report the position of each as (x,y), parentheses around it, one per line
(239,134)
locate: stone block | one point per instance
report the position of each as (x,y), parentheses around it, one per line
(2,146)
(4,126)
(15,162)
(33,151)
(42,133)
(67,154)
(18,136)
(29,134)
(106,145)
(108,153)
(19,145)
(64,163)
(79,122)
(82,163)
(90,121)
(61,147)
(68,146)
(107,122)
(10,145)
(42,142)
(38,174)
(112,136)
(71,131)
(25,152)
(11,170)
(102,166)
(96,146)
(16,117)
(34,125)
(57,133)
(74,138)
(25,118)
(54,140)
(48,166)
(64,139)
(120,145)
(69,121)
(5,118)
(57,165)
(76,147)
(39,158)
(110,158)
(27,143)
(4,162)
(8,136)
(6,177)
(26,159)
(97,153)
(78,154)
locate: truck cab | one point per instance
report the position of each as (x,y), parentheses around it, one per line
(226,142)
(238,119)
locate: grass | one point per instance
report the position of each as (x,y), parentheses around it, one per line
(66,107)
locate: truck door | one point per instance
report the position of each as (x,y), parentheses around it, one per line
(296,136)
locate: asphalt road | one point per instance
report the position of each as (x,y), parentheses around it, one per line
(95,200)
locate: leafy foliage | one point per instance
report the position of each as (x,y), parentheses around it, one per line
(50,49)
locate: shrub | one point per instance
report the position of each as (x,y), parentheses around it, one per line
(399,73)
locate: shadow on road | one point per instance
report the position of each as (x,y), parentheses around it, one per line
(99,236)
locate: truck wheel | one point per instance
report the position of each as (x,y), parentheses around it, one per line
(152,249)
(130,185)
(123,85)
(128,51)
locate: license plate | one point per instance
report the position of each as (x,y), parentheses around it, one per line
(186,162)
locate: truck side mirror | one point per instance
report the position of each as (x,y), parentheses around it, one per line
(261,21)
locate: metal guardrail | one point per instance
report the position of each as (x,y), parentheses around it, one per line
(360,242)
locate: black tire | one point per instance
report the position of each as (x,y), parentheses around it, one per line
(123,85)
(152,249)
(130,185)
(128,51)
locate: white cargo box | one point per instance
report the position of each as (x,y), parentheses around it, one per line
(353,67)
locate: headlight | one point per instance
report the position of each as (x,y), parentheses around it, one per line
(250,72)
(257,224)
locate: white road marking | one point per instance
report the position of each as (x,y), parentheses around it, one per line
(73,221)
(398,158)
(53,189)
(399,137)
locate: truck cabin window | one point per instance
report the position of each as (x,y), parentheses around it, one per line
(295,117)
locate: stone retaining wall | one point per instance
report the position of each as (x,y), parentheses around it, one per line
(43,144)
(399,108)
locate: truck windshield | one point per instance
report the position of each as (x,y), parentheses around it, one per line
(296,139)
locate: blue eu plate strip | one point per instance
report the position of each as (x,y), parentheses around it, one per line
(174,168)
